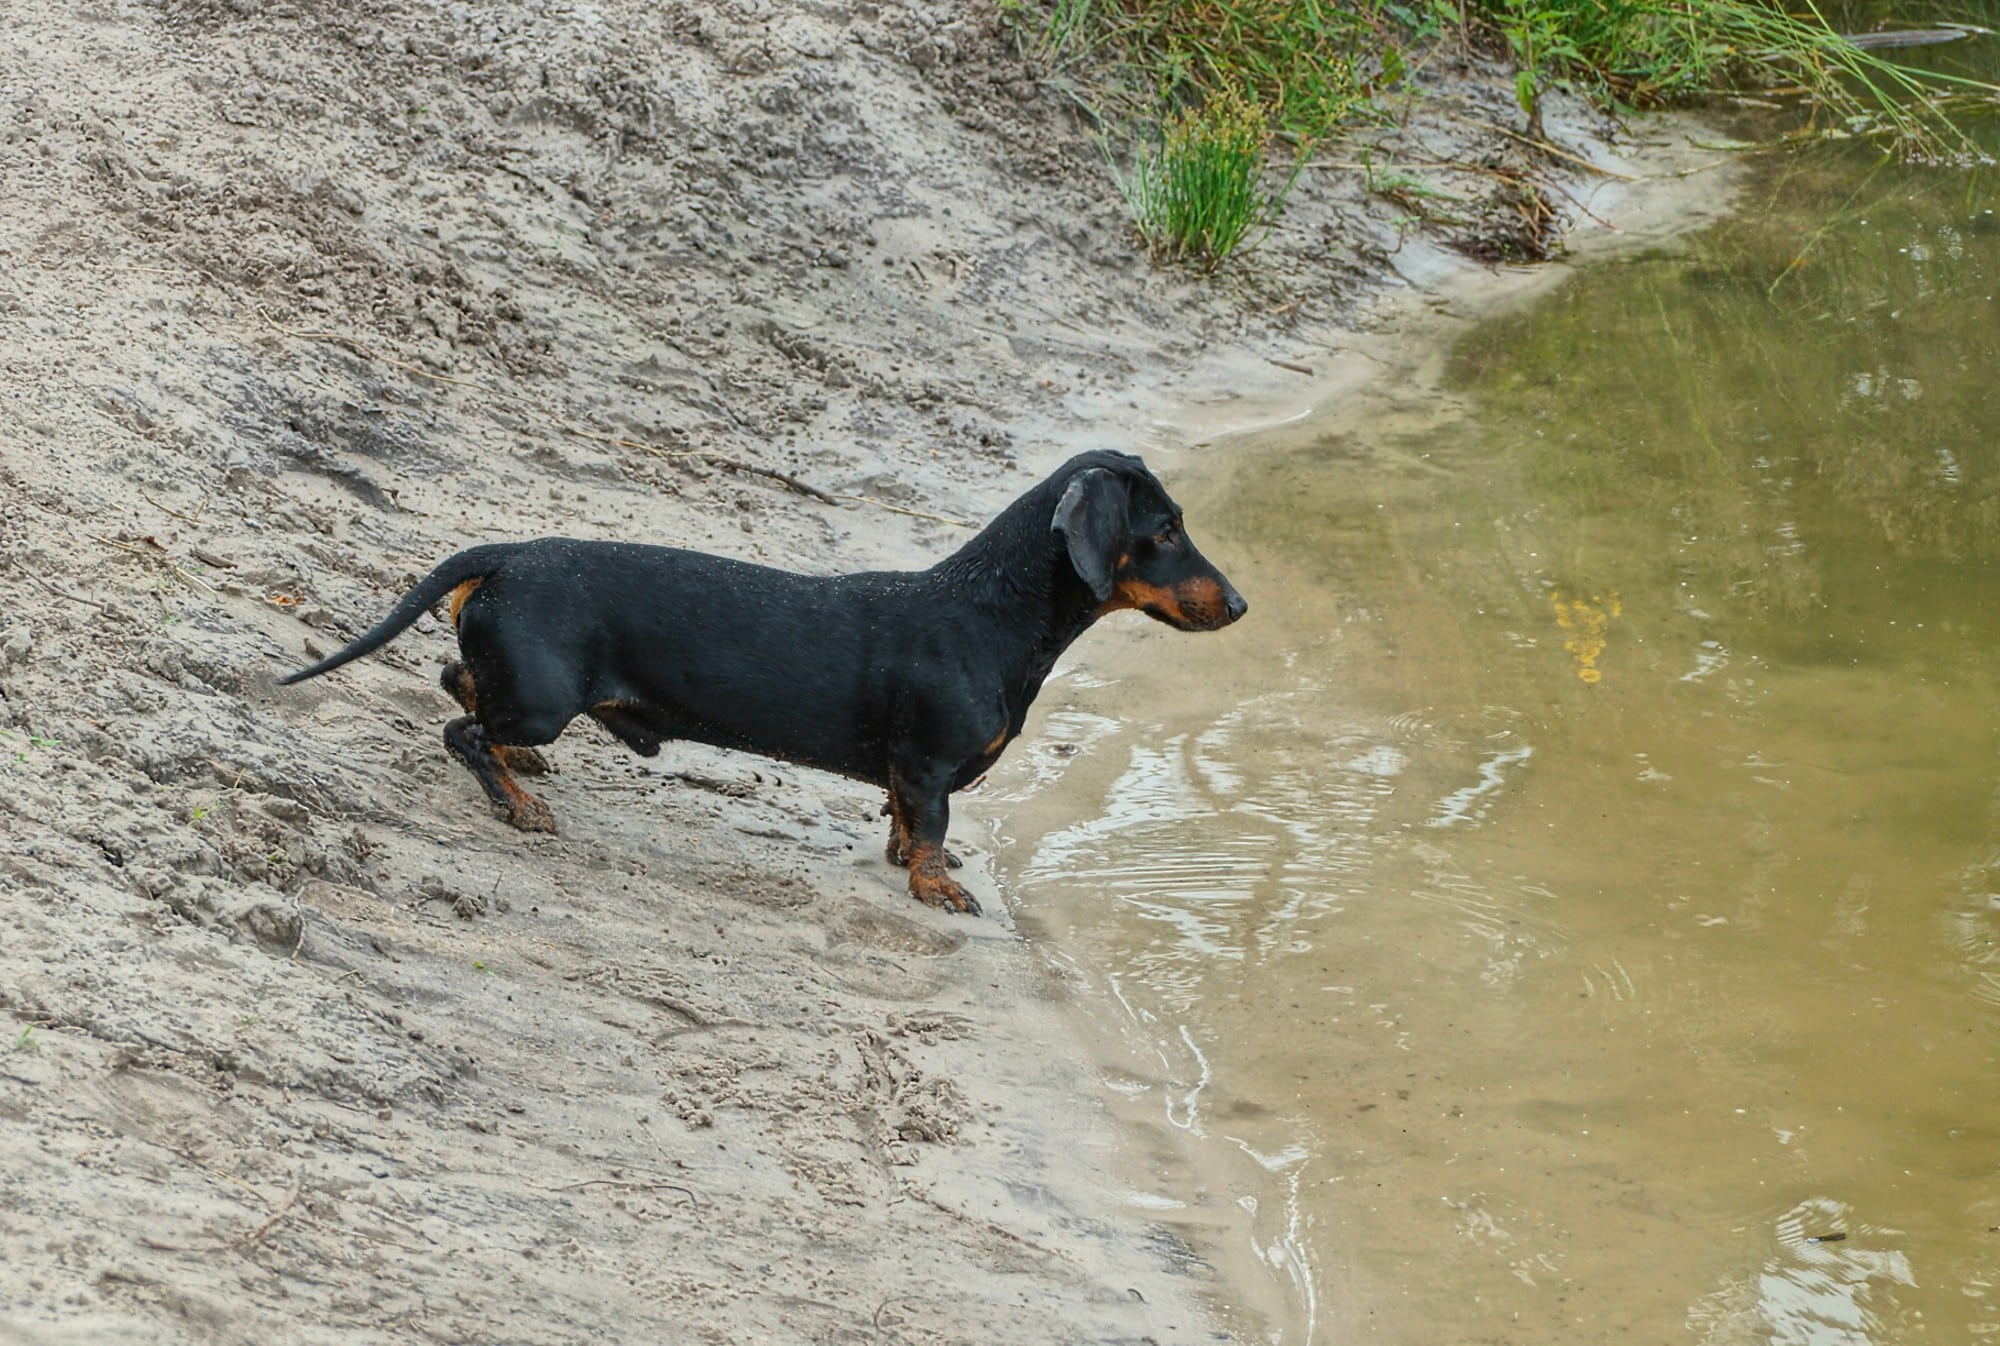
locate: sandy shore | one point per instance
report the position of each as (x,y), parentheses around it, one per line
(299,298)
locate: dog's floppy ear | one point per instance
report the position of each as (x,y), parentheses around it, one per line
(1091,518)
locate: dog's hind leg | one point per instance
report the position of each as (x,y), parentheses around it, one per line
(457,681)
(468,742)
(628,727)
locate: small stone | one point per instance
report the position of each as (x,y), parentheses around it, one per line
(16,646)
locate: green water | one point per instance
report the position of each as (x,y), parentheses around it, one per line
(1567,910)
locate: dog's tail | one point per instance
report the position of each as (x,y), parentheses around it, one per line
(474,563)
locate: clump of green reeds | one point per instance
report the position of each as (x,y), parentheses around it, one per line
(1309,63)
(1315,68)
(1237,74)
(1197,194)
(1641,52)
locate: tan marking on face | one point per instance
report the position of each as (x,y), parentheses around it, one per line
(1136,593)
(1199,602)
(1202,597)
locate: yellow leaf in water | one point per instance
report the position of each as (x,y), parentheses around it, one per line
(1588,619)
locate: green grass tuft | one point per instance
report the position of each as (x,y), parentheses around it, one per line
(1197,194)
(1312,65)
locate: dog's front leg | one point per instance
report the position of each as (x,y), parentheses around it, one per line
(897,852)
(920,810)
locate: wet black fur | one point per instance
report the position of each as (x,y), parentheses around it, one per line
(912,680)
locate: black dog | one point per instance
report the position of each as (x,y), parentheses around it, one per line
(913,681)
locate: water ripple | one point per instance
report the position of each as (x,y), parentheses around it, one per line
(1462,806)
(1828,1284)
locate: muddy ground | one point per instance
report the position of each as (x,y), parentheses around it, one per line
(305,1045)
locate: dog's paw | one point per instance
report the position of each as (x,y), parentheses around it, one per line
(522,761)
(935,890)
(531,814)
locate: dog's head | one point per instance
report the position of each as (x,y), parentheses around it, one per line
(1127,542)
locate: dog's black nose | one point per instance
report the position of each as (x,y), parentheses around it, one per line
(1235,606)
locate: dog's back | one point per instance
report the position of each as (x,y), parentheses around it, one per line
(801,667)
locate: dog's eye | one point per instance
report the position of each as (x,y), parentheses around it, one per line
(1168,537)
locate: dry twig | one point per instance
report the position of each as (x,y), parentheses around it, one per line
(256,1235)
(913,513)
(195,517)
(626,1185)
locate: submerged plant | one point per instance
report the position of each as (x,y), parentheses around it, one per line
(1197,193)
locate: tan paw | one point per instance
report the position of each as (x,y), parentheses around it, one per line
(946,894)
(531,814)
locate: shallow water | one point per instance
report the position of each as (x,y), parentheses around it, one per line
(1568,908)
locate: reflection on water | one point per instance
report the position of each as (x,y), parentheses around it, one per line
(1817,1289)
(1568,909)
